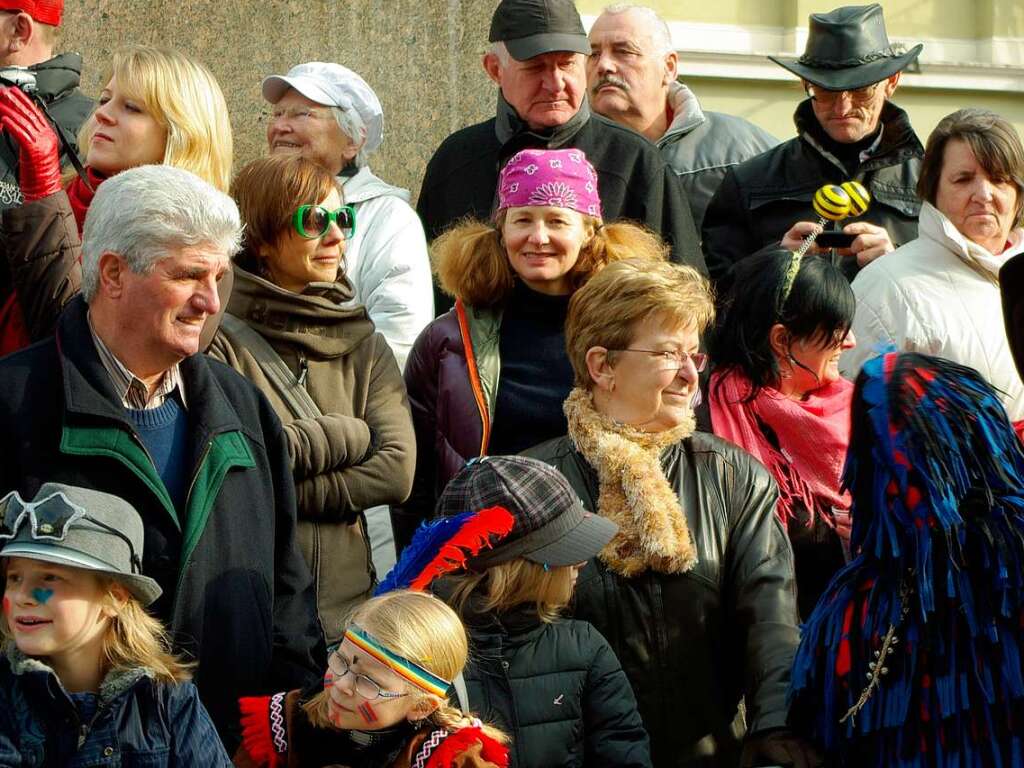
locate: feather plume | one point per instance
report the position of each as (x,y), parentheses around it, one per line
(442,546)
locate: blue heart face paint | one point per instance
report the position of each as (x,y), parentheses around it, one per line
(41,596)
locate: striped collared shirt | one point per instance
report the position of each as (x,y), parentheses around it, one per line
(134,393)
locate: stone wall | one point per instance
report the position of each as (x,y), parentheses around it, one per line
(422,57)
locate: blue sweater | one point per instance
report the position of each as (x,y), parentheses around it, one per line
(164,432)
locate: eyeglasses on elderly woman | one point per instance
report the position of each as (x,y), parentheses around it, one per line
(669,360)
(313,221)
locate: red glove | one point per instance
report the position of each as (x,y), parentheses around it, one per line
(39,155)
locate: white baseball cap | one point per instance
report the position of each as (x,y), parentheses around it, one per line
(335,86)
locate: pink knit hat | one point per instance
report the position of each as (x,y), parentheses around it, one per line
(562,178)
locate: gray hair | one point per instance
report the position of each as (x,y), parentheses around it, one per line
(500,50)
(352,125)
(146,213)
(661,35)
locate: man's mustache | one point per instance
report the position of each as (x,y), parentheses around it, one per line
(610,80)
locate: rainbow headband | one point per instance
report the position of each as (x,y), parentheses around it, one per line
(407,670)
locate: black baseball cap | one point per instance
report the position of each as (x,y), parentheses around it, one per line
(551,525)
(529,28)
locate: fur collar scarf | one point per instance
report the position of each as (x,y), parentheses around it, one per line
(633,490)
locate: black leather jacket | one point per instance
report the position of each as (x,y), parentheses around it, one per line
(759,200)
(693,644)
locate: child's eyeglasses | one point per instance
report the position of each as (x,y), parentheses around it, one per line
(313,221)
(51,518)
(365,686)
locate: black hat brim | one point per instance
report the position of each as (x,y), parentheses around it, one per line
(577,545)
(851,78)
(524,48)
(1011,284)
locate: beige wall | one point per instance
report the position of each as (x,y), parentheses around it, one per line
(955,26)
(421,56)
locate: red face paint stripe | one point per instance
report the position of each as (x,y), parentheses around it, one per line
(367,713)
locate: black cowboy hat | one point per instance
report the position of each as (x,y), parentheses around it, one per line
(848,49)
(1011,284)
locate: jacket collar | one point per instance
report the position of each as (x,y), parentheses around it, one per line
(57,76)
(897,142)
(933,225)
(686,111)
(89,391)
(364,185)
(41,676)
(510,126)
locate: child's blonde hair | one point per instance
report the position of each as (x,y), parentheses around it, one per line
(514,583)
(421,628)
(133,637)
(183,96)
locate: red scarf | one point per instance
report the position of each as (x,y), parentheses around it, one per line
(80,196)
(813,435)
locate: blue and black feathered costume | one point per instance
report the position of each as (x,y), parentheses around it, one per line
(912,657)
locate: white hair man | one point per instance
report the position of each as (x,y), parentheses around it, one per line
(537,60)
(119,400)
(631,78)
(331,116)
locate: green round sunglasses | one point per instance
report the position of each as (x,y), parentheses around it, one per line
(313,221)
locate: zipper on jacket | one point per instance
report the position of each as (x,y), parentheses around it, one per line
(303,370)
(474,376)
(188,498)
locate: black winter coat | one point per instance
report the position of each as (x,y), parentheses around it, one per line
(633,180)
(557,689)
(237,595)
(693,644)
(759,200)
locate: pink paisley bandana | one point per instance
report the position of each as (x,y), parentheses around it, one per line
(562,178)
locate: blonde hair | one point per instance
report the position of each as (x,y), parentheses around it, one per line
(509,585)
(133,638)
(604,313)
(421,628)
(184,97)
(471,263)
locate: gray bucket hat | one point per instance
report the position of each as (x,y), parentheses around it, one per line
(79,528)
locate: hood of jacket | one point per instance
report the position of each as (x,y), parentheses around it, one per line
(934,225)
(686,112)
(59,75)
(364,185)
(316,320)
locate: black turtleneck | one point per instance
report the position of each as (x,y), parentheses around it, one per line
(535,373)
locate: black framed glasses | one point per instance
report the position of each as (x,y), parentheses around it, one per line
(857,96)
(365,686)
(669,360)
(51,519)
(313,221)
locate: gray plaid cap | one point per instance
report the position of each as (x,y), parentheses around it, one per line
(551,525)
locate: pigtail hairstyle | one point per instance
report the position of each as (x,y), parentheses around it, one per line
(419,627)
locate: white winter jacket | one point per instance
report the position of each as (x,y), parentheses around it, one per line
(387,262)
(938,295)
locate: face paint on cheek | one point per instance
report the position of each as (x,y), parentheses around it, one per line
(367,712)
(41,596)
(7,605)
(328,679)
